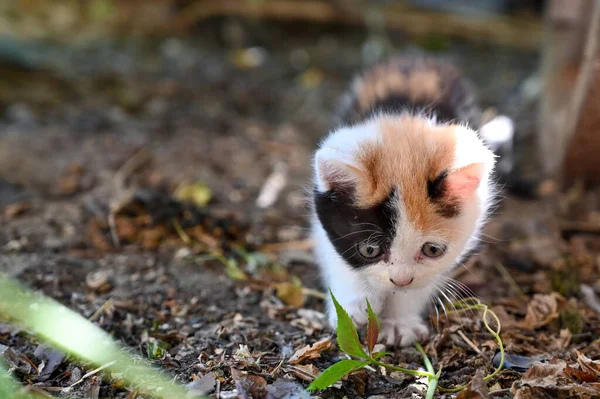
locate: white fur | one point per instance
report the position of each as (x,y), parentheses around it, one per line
(400,308)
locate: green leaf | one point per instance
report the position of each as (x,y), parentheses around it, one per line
(377,355)
(336,372)
(347,336)
(156,349)
(234,271)
(372,328)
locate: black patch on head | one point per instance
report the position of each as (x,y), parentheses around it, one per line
(347,225)
(437,190)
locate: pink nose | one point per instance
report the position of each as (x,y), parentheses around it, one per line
(401,282)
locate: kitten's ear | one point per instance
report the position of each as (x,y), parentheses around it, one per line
(497,132)
(334,169)
(474,162)
(463,182)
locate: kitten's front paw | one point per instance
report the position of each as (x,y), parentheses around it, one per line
(402,332)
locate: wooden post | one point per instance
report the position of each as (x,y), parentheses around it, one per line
(569,57)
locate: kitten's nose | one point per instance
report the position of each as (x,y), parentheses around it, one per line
(401,282)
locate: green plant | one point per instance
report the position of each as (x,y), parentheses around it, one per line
(349,343)
(78,337)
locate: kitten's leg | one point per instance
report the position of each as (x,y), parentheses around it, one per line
(401,319)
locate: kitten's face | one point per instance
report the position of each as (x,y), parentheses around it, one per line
(400,198)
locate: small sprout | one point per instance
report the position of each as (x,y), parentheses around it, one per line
(349,342)
(156,349)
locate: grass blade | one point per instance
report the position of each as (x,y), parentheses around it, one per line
(72,333)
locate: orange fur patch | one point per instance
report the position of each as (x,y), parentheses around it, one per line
(420,80)
(409,153)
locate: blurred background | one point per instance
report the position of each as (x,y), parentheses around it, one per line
(157,154)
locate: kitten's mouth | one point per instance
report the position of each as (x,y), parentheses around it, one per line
(402,283)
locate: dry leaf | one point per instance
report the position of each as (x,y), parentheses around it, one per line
(506,320)
(203,385)
(248,385)
(580,376)
(305,372)
(545,374)
(244,356)
(542,310)
(477,389)
(310,351)
(290,294)
(563,341)
(13,210)
(589,365)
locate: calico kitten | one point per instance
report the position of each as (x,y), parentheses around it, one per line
(402,189)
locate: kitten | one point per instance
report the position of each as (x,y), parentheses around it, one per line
(402,189)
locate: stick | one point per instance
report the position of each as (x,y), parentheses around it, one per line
(469,342)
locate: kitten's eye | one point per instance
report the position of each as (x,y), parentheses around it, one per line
(433,250)
(369,251)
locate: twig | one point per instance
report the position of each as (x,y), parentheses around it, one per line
(136,161)
(272,186)
(101,310)
(585,76)
(313,293)
(122,195)
(508,278)
(91,373)
(469,342)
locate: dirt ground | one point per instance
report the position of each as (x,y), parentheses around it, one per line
(95,150)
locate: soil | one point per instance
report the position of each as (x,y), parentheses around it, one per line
(194,109)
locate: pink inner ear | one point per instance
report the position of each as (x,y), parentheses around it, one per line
(464,181)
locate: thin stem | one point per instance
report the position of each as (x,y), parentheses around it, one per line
(403,370)
(432,381)
(426,360)
(495,333)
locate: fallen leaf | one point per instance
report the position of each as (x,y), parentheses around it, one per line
(589,365)
(542,310)
(310,351)
(563,340)
(506,320)
(244,356)
(477,389)
(249,386)
(11,211)
(282,389)
(305,372)
(197,193)
(545,374)
(580,376)
(51,359)
(203,385)
(290,294)
(68,185)
(14,361)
